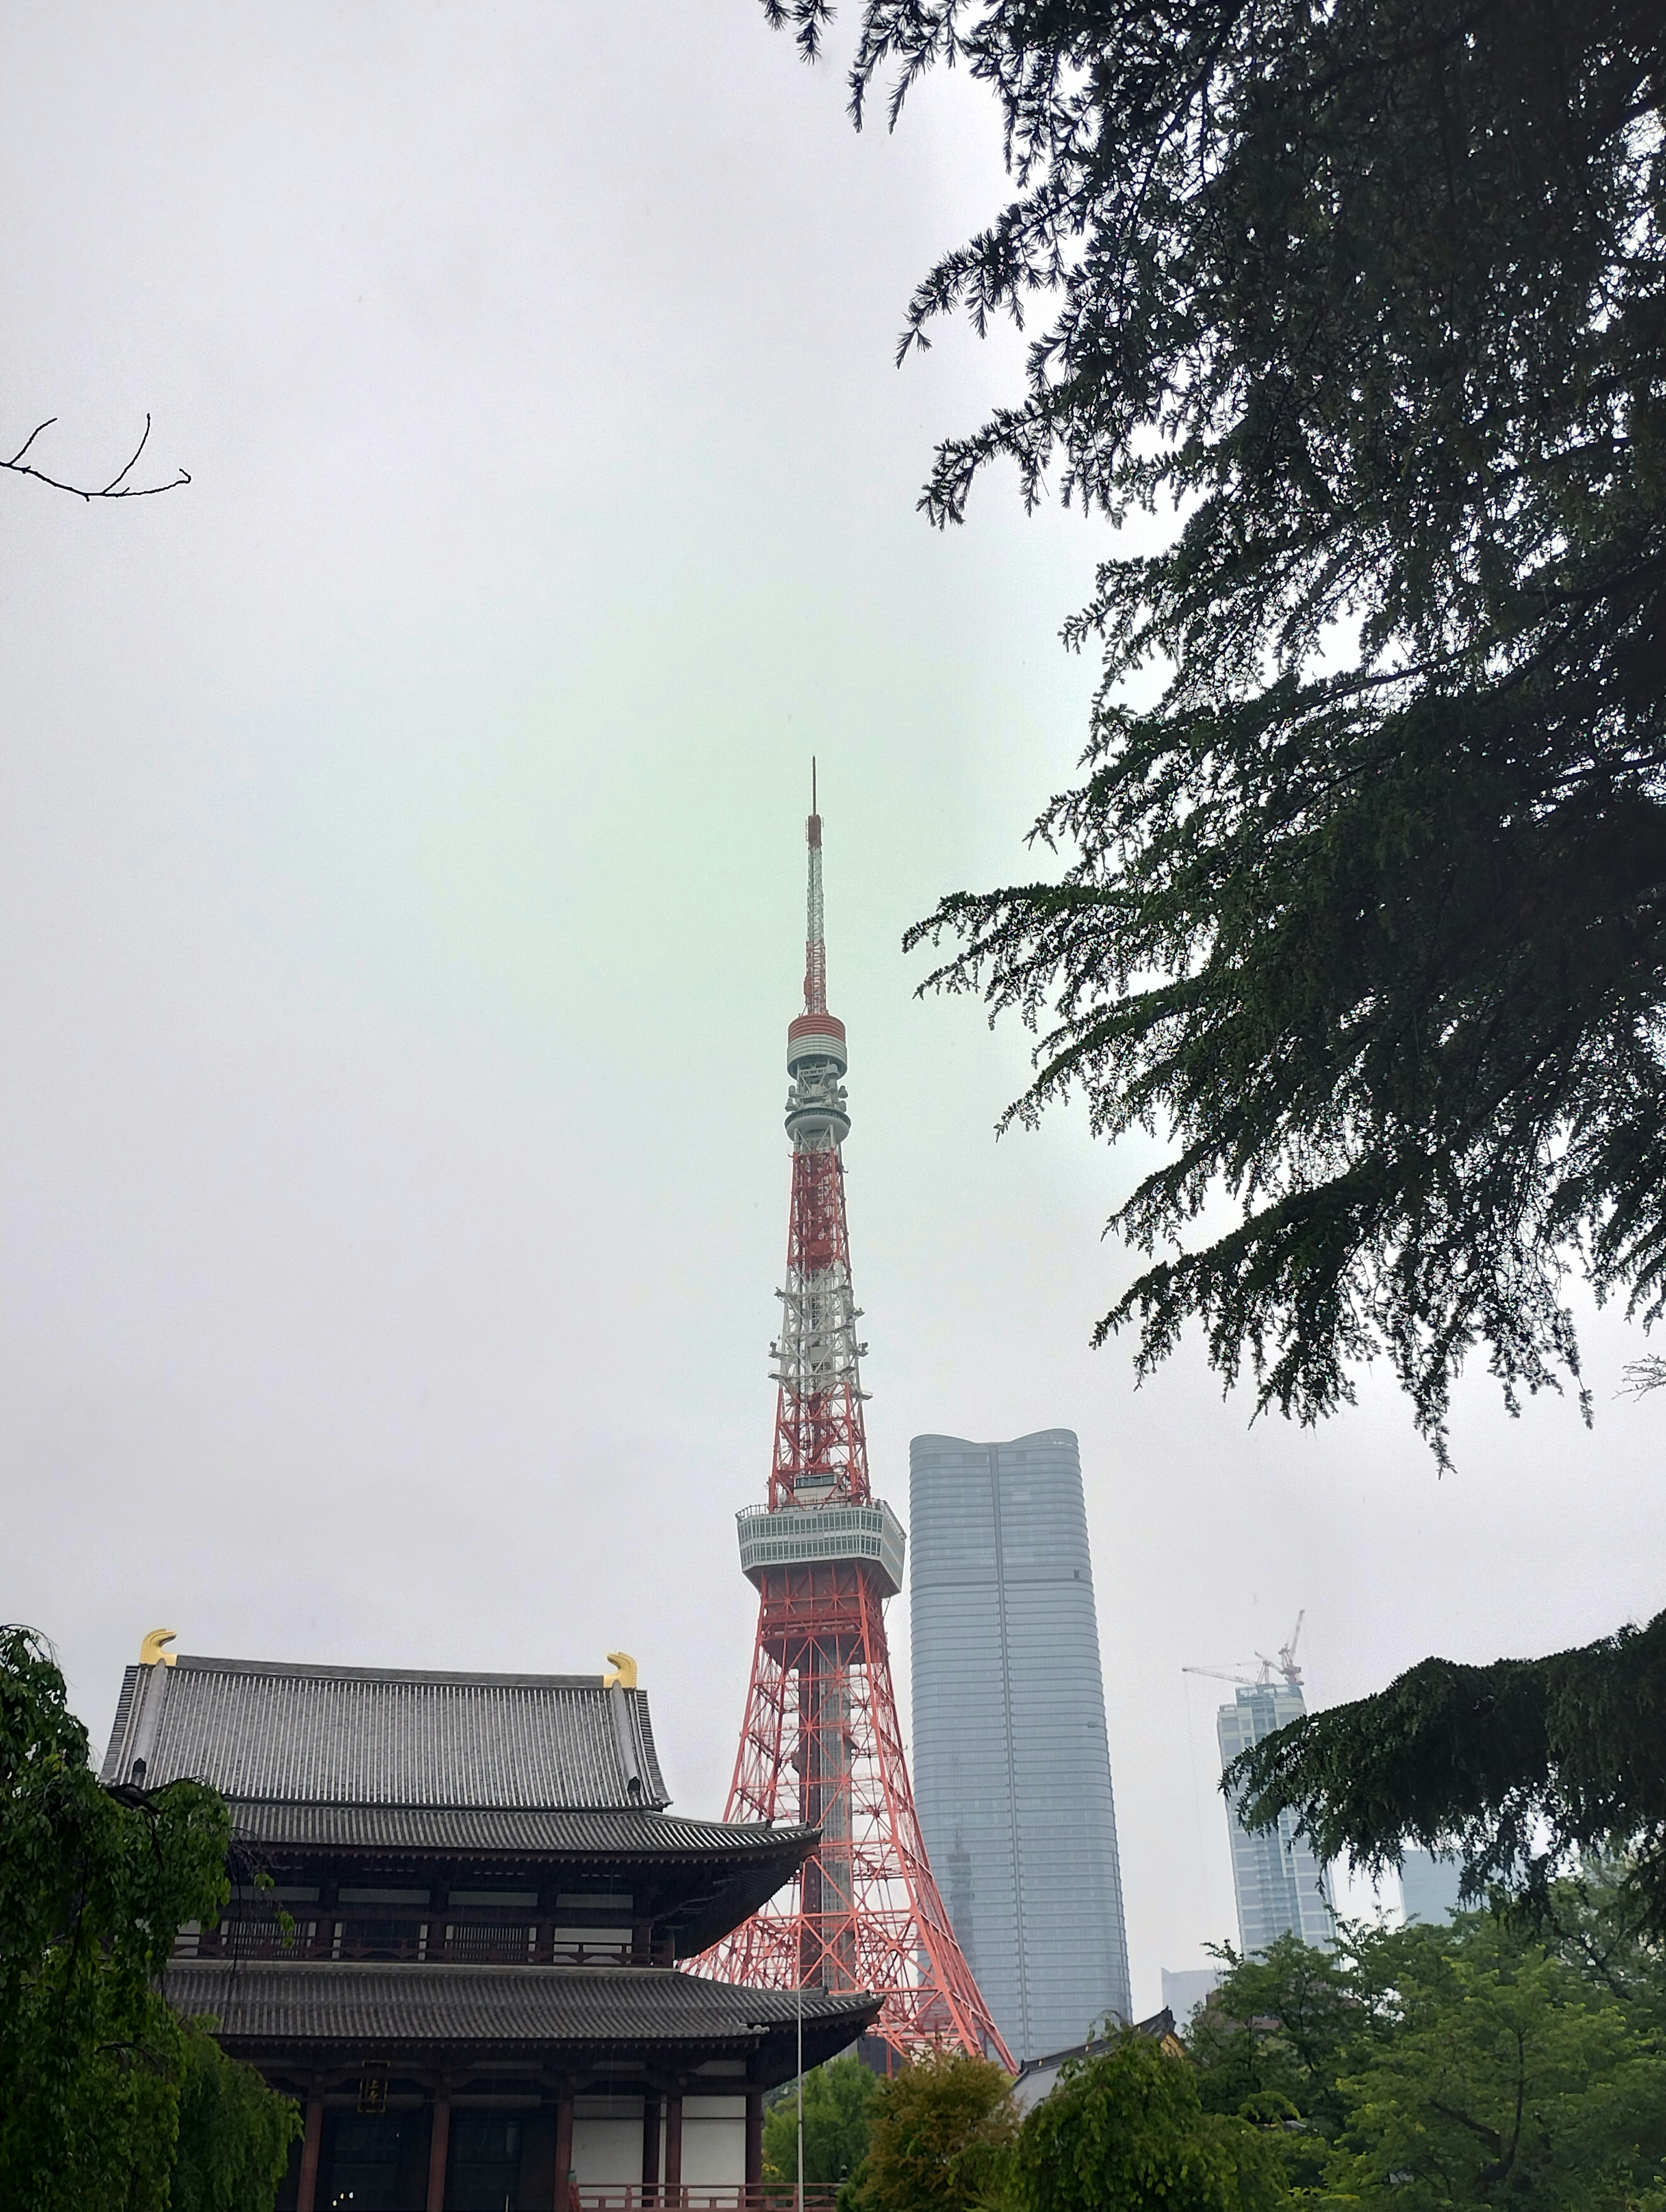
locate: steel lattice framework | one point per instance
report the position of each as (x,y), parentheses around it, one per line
(820,1741)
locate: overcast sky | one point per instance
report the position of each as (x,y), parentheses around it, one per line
(401,903)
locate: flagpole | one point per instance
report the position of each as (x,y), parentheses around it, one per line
(800,1994)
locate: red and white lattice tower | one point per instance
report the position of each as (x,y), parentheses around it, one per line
(820,1742)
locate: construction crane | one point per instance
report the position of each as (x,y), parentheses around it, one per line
(1284,1665)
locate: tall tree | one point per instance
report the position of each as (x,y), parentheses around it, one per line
(1273,2041)
(94,2065)
(1505,2077)
(1366,914)
(1365,920)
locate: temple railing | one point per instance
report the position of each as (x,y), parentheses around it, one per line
(413,1942)
(704,2196)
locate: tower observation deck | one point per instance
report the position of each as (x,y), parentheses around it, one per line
(820,1741)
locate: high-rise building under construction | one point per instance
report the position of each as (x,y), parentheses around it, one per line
(1011,1759)
(1280,1886)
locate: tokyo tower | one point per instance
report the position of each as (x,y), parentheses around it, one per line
(820,1742)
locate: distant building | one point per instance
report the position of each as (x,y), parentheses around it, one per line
(1184,1991)
(1010,1762)
(1280,1886)
(1429,1887)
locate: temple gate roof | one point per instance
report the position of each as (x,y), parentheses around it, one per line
(365,1737)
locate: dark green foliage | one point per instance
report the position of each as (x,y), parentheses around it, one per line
(1272,2043)
(94,1885)
(235,2132)
(942,2136)
(1524,1766)
(1365,920)
(838,2107)
(1367,916)
(1125,2131)
(1474,2065)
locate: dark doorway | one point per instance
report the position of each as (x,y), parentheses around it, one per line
(485,2162)
(376,2163)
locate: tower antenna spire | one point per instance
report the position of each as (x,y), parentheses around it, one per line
(815,946)
(821,1743)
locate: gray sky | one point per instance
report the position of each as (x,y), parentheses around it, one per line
(400,903)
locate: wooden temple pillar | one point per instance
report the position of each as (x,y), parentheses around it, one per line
(650,2146)
(673,2192)
(439,2148)
(564,2196)
(754,2138)
(311,2143)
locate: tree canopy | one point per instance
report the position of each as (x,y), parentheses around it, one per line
(1364,920)
(1125,2131)
(838,2110)
(1427,2067)
(107,2098)
(942,2134)
(1363,917)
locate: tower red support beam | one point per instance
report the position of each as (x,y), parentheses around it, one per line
(820,1741)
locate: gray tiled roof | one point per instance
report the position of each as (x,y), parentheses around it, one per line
(371,1736)
(636,2006)
(629,1831)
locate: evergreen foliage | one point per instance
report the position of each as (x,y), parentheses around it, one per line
(97,2073)
(1366,917)
(1524,1766)
(838,2109)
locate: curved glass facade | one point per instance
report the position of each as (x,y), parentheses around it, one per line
(1012,1767)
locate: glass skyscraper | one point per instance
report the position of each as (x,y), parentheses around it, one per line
(1429,1885)
(1280,1886)
(1012,1768)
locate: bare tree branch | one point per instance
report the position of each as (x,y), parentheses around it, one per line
(1644,1375)
(116,489)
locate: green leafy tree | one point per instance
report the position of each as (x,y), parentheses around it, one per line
(1507,2079)
(1364,920)
(1273,2042)
(94,2064)
(1483,2063)
(942,2136)
(1125,2131)
(838,2107)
